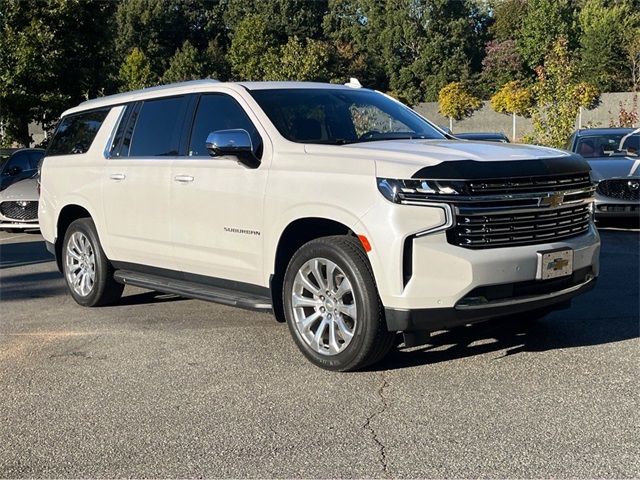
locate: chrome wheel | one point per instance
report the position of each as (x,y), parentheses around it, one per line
(80,264)
(324,307)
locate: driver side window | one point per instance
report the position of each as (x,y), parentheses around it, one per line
(219,112)
(367,118)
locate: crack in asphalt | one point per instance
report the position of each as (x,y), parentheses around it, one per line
(382,457)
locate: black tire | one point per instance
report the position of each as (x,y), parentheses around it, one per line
(371,340)
(105,289)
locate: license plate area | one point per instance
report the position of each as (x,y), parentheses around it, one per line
(554,263)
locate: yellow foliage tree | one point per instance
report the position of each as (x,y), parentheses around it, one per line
(456,102)
(513,99)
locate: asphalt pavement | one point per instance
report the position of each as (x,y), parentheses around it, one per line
(160,386)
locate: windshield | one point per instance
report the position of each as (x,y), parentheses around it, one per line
(341,116)
(607,145)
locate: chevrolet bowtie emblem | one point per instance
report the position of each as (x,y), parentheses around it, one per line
(552,201)
(557,264)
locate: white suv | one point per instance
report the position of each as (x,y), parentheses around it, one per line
(338,208)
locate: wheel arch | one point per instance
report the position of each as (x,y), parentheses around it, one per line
(293,236)
(67,215)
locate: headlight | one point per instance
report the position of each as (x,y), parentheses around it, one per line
(417,190)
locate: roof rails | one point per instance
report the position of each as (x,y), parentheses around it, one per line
(152,89)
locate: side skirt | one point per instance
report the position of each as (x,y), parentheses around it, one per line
(224,292)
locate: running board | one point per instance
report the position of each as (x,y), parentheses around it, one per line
(199,291)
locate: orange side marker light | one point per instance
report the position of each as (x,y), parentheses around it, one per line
(365,243)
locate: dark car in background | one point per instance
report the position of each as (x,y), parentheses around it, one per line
(20,164)
(483,136)
(613,154)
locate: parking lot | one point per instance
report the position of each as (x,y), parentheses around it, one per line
(160,386)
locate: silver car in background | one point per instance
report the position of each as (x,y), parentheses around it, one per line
(19,206)
(613,154)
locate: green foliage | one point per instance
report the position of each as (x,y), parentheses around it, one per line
(508,16)
(286,18)
(53,55)
(426,45)
(253,47)
(160,27)
(632,50)
(559,94)
(602,43)
(299,61)
(513,98)
(135,72)
(543,23)
(456,102)
(186,64)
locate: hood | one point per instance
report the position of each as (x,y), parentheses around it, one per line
(403,158)
(22,190)
(614,167)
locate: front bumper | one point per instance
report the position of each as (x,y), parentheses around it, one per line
(510,299)
(19,225)
(611,207)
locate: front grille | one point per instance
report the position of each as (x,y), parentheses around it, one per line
(530,184)
(515,229)
(20,210)
(620,189)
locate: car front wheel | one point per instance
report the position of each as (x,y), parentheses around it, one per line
(332,306)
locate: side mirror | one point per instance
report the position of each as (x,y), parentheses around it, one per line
(13,171)
(236,142)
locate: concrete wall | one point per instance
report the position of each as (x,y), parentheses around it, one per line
(486,120)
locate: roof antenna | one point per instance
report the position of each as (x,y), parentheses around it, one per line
(353,83)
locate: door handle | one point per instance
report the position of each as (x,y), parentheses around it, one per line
(118,176)
(183,178)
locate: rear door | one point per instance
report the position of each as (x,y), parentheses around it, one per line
(138,180)
(217,202)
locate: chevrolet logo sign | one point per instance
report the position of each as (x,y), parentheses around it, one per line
(552,201)
(557,264)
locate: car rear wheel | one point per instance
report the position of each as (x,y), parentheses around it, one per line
(332,306)
(87,271)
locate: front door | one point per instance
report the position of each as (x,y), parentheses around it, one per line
(218,202)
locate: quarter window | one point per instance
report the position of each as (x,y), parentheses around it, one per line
(75,133)
(158,128)
(219,112)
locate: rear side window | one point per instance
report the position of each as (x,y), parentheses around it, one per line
(75,133)
(158,128)
(219,112)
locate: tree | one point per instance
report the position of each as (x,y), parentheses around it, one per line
(354,27)
(558,97)
(186,64)
(508,16)
(252,44)
(501,63)
(160,27)
(301,61)
(602,44)
(285,18)
(426,45)
(514,99)
(543,23)
(632,44)
(135,72)
(456,102)
(52,56)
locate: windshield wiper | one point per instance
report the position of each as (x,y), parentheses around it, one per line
(384,139)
